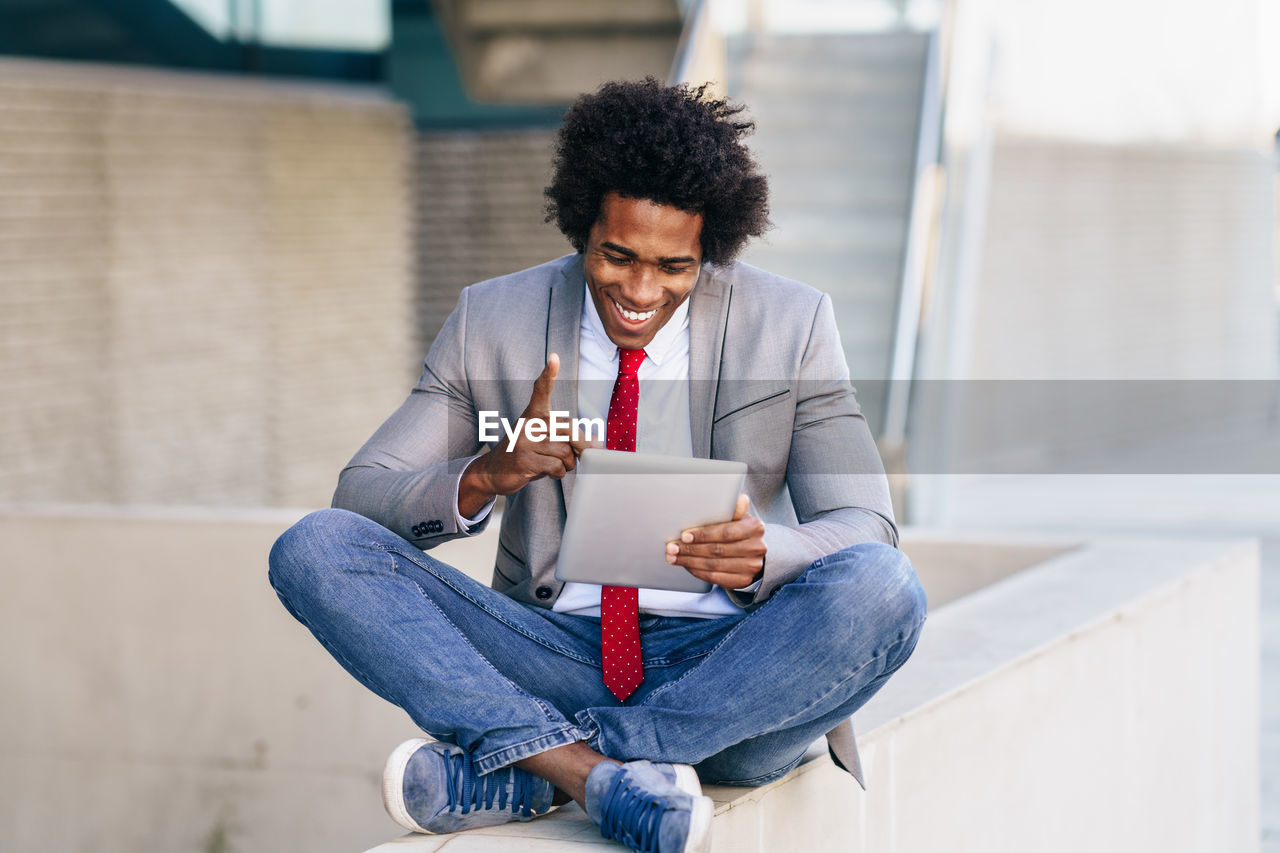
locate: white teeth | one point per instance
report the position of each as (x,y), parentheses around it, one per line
(635,316)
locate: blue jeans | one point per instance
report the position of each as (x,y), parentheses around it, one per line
(741,697)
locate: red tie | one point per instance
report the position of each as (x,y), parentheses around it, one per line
(619,605)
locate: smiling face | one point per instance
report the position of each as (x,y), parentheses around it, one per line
(642,260)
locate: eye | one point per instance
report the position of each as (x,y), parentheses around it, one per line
(667,268)
(617,260)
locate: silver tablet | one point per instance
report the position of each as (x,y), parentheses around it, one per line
(628,506)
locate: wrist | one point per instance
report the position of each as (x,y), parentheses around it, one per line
(474,488)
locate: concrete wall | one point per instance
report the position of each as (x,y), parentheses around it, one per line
(158,697)
(1147,263)
(1115,707)
(1125,262)
(205,284)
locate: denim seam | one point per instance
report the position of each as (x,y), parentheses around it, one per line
(732,631)
(666,660)
(515,752)
(518,629)
(550,713)
(778,774)
(875,657)
(801,579)
(764,778)
(333,650)
(669,661)
(593,729)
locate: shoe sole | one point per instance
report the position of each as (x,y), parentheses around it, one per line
(699,840)
(700,817)
(687,780)
(393,784)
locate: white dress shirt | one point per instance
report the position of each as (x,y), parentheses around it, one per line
(662,426)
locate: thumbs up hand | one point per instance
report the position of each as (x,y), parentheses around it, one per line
(540,399)
(518,461)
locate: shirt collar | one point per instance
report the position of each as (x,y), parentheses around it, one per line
(662,347)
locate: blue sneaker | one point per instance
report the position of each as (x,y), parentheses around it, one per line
(682,776)
(433,787)
(642,806)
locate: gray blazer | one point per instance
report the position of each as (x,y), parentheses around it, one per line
(769,386)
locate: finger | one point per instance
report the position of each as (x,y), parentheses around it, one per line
(752,562)
(726,531)
(700,534)
(566,451)
(748,568)
(729,580)
(540,400)
(582,444)
(749,547)
(542,465)
(559,449)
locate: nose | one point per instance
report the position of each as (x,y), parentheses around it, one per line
(641,289)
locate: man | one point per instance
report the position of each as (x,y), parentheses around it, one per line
(653,327)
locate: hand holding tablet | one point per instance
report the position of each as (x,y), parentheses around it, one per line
(628,506)
(729,554)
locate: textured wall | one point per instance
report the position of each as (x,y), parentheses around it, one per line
(1111,262)
(205,284)
(1134,262)
(479,212)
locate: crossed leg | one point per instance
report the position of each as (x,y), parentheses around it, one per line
(741,697)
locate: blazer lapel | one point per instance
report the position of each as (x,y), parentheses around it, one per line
(564,316)
(708,314)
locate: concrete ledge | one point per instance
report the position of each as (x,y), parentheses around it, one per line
(1107,699)
(1065,695)
(1101,694)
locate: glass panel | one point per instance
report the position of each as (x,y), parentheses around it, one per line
(340,24)
(347,24)
(213,15)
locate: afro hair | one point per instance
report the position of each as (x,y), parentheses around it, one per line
(672,145)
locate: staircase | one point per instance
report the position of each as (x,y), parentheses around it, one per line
(837,120)
(549,52)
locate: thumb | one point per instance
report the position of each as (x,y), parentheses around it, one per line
(541,399)
(740,509)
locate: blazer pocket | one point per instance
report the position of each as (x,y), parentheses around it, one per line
(753,407)
(511,577)
(758,434)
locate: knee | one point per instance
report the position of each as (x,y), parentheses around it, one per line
(302,551)
(879,579)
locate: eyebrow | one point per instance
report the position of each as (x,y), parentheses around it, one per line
(631,253)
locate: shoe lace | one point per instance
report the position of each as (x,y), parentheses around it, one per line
(473,792)
(631,815)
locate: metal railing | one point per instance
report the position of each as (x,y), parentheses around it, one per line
(690,37)
(921,230)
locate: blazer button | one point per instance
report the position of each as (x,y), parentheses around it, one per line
(543,592)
